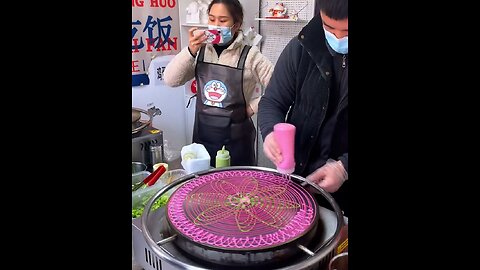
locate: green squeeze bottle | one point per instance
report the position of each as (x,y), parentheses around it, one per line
(223,158)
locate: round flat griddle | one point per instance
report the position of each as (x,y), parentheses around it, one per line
(241,210)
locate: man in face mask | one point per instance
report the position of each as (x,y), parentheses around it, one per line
(309,89)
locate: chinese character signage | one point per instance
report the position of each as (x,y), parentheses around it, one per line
(155,32)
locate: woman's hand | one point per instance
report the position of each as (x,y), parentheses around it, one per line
(195,40)
(250,111)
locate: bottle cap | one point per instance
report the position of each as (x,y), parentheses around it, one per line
(223,153)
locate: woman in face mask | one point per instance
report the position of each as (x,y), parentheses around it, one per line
(226,75)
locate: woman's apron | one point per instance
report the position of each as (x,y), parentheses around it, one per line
(221,116)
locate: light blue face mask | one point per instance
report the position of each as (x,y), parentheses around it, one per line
(225,31)
(338,45)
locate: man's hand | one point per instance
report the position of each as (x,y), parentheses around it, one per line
(330,176)
(271,149)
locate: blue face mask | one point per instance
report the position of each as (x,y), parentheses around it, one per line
(338,45)
(225,32)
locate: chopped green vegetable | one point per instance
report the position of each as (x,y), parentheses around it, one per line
(136,212)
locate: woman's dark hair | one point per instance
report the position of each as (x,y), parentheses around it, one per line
(235,9)
(335,9)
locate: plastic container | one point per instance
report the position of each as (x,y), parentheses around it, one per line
(170,176)
(137,177)
(195,158)
(141,196)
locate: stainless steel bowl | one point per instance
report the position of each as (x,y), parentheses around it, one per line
(138,167)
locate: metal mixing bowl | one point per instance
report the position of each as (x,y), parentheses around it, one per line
(138,167)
